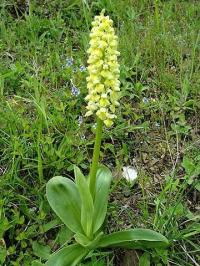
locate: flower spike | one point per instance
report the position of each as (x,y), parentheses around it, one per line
(103,68)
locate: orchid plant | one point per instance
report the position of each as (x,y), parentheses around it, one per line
(82,204)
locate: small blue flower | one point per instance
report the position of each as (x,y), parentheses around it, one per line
(80,120)
(82,68)
(145,100)
(75,91)
(69,61)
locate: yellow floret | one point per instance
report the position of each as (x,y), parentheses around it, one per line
(104,102)
(108,122)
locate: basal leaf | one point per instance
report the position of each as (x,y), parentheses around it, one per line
(104,177)
(68,256)
(87,207)
(134,238)
(64,199)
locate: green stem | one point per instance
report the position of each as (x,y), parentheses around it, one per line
(95,158)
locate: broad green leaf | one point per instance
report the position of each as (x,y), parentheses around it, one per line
(145,259)
(134,238)
(64,199)
(68,256)
(87,207)
(41,251)
(104,177)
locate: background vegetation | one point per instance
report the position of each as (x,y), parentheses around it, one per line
(43,131)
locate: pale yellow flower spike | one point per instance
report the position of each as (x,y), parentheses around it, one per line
(103,68)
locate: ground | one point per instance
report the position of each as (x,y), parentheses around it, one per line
(43,131)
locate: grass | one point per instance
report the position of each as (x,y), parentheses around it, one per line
(42,50)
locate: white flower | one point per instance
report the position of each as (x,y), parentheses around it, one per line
(130,174)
